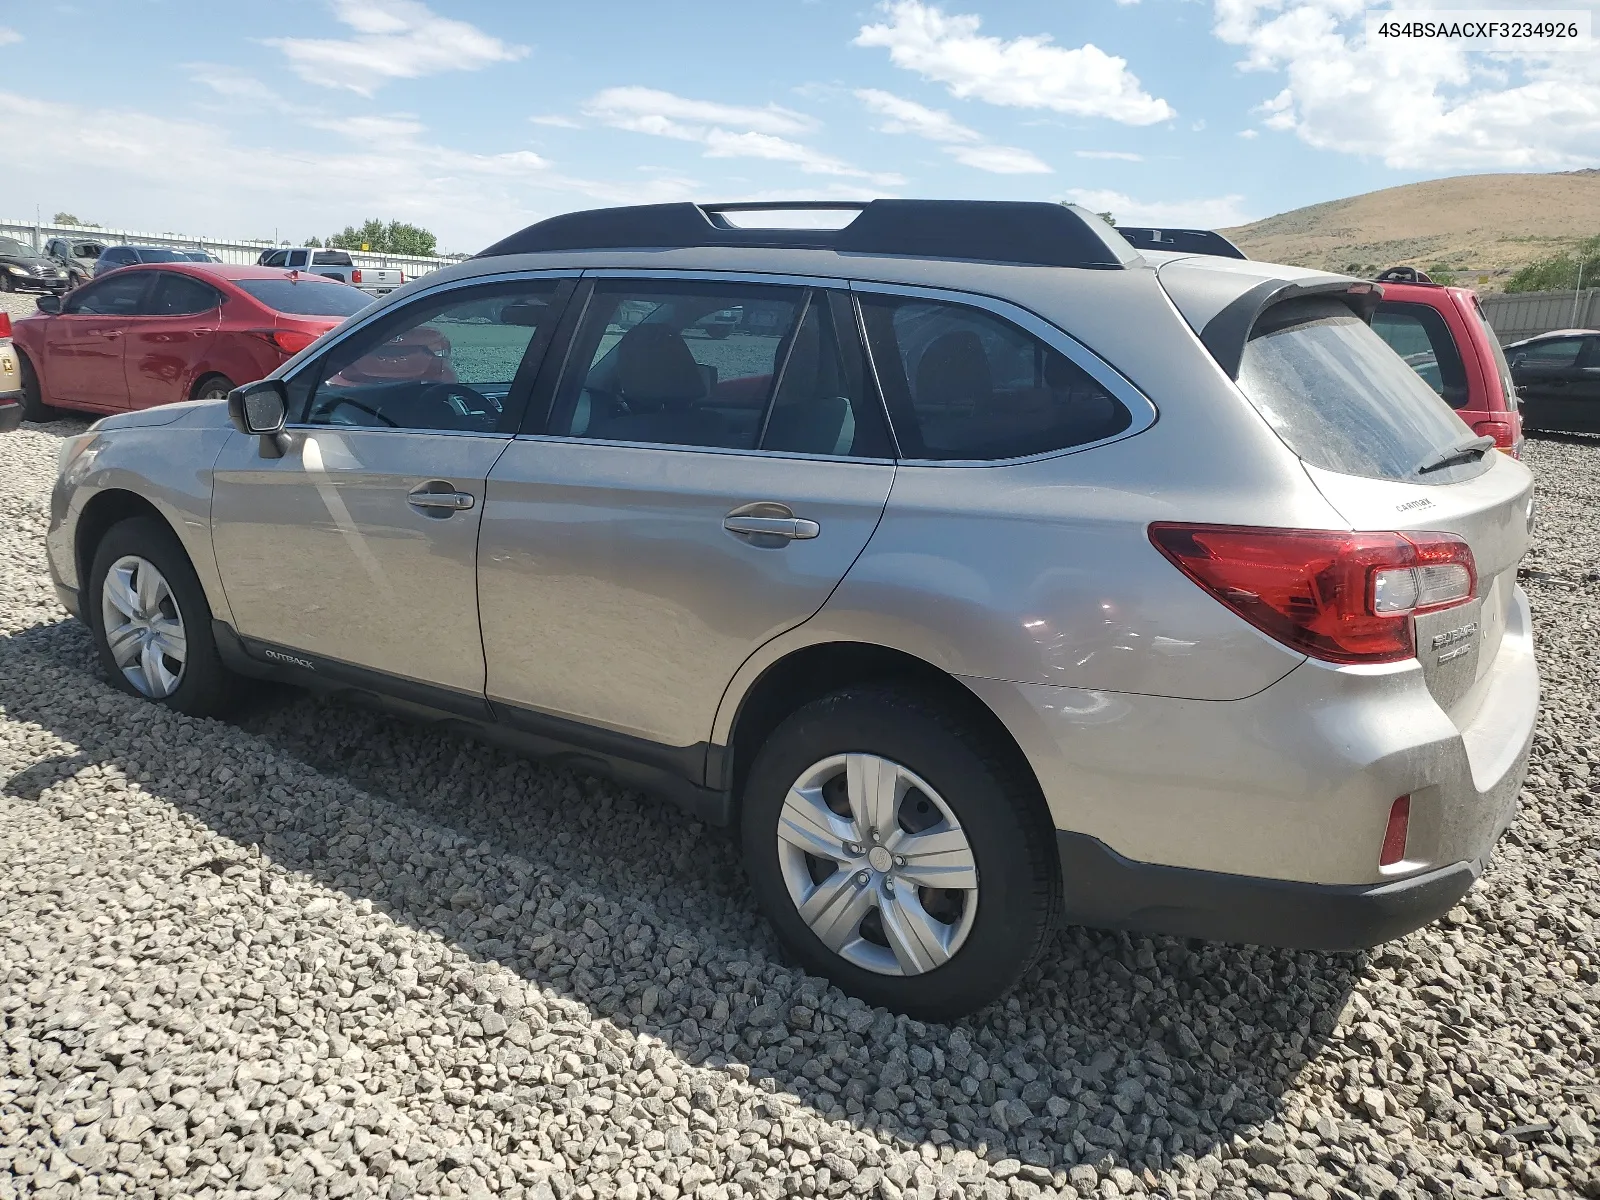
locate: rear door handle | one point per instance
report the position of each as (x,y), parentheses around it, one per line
(793,528)
(425,497)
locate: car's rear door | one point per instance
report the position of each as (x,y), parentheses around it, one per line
(181,317)
(690,498)
(354,554)
(85,344)
(1584,388)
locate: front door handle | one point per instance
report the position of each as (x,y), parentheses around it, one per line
(435,496)
(788,528)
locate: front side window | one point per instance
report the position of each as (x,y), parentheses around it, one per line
(446,362)
(962,383)
(1554,354)
(275,258)
(1341,400)
(725,365)
(1420,335)
(120,296)
(178,295)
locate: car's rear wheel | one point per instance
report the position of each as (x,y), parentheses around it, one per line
(151,621)
(213,387)
(33,406)
(899,853)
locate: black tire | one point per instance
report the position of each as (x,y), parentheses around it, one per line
(33,406)
(1000,811)
(215,386)
(5,282)
(206,688)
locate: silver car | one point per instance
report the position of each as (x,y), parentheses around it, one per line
(999,575)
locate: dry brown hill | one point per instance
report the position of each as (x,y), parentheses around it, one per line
(1483,227)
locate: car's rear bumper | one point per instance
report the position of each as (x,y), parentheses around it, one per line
(1103,889)
(1194,812)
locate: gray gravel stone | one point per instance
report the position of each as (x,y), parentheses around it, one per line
(321,951)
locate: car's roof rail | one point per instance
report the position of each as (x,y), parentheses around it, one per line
(1021,233)
(1182,241)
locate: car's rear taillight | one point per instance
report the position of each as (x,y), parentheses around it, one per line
(355,275)
(1504,436)
(5,324)
(292,341)
(1341,597)
(402,275)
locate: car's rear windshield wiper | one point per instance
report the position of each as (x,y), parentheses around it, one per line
(1461,452)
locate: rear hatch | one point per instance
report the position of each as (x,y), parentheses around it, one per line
(1389,454)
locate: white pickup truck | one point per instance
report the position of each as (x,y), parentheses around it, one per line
(335,264)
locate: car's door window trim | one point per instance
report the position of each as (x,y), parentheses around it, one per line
(522,386)
(1142,411)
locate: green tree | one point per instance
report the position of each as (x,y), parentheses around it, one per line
(66,218)
(397,237)
(1108,219)
(1560,272)
(311,241)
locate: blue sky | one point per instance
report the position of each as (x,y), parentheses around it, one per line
(474,117)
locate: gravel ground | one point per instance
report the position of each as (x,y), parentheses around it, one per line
(319,951)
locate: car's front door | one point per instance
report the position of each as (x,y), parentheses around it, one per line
(694,493)
(355,552)
(1544,373)
(181,317)
(86,342)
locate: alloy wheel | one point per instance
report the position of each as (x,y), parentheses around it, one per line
(143,626)
(877,864)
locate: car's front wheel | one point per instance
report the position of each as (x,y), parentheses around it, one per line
(151,621)
(898,852)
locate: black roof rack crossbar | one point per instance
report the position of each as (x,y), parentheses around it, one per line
(1023,233)
(1184,241)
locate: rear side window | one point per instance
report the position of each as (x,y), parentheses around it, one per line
(305,298)
(1343,401)
(178,295)
(962,383)
(1421,336)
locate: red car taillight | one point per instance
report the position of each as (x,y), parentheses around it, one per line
(1341,597)
(290,341)
(5,323)
(355,275)
(1504,436)
(1395,833)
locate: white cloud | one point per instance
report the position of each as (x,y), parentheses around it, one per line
(468,199)
(1217,212)
(725,130)
(1026,72)
(1417,106)
(556,121)
(394,39)
(1249,135)
(966,146)
(1119,155)
(8,35)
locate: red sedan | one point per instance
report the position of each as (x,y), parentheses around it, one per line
(161,332)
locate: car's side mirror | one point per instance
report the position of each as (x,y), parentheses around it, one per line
(261,409)
(49,304)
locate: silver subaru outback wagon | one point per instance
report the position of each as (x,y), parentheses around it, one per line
(981,570)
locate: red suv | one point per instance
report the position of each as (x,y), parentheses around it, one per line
(1442,332)
(160,332)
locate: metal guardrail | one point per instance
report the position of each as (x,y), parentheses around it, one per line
(239,252)
(1517,315)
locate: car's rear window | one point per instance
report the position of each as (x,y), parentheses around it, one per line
(305,298)
(330,258)
(1343,400)
(1421,336)
(156,254)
